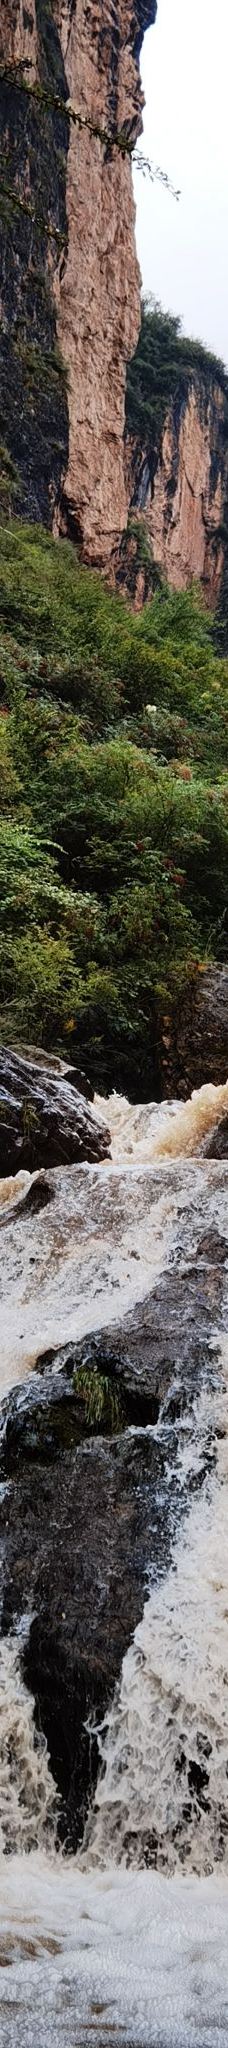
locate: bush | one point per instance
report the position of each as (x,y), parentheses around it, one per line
(114,814)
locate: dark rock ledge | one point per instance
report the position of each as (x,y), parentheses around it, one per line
(44,1120)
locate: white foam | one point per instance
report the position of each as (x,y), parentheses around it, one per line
(141,1961)
(163,1793)
(27,1791)
(155,1131)
(130,1956)
(13,1187)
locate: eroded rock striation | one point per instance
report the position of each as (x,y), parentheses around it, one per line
(176,464)
(70,304)
(185,510)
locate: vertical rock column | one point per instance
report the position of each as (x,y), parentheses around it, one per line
(99,304)
(87,297)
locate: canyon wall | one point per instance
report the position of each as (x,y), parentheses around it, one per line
(184,512)
(69,281)
(178,496)
(70,313)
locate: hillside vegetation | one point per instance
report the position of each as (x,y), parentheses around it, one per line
(114,808)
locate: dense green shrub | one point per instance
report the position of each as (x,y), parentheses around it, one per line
(114,804)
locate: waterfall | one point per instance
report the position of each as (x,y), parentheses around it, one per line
(28,1799)
(128,1941)
(163,1131)
(162,1797)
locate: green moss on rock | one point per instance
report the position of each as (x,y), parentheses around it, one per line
(101,1399)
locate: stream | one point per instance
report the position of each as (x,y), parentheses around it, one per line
(124,1944)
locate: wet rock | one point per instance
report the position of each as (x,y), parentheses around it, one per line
(93,1478)
(79,1080)
(88,1517)
(196,1049)
(56,1409)
(216,1146)
(43,1120)
(213,1248)
(79,1542)
(67,1270)
(39,1195)
(163,1345)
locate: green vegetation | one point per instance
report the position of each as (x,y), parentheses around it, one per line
(101,1400)
(114,807)
(9,481)
(38,367)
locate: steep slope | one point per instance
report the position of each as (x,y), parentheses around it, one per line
(69,274)
(176,460)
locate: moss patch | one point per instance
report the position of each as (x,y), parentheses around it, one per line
(104,1405)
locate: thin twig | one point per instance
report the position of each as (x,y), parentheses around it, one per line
(117,140)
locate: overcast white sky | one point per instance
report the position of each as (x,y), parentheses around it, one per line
(183,248)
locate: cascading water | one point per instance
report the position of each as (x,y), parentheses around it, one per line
(163,1795)
(27,1792)
(133,1933)
(149,1131)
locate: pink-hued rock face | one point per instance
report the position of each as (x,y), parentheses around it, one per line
(178,498)
(18,35)
(184,524)
(97,285)
(97,322)
(99,300)
(99,297)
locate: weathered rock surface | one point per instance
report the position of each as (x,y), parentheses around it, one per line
(44,1121)
(185,516)
(69,269)
(178,494)
(99,1242)
(83,1530)
(216,1146)
(194,1040)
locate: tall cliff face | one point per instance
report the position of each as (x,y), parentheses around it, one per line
(184,512)
(176,462)
(69,282)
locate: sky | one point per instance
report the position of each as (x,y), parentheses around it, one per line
(182,246)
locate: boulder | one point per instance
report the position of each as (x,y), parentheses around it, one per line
(216,1145)
(193,1037)
(79,1080)
(81,1529)
(44,1120)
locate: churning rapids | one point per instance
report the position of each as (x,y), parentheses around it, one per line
(104,1948)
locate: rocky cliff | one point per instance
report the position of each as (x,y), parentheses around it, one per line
(176,462)
(69,284)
